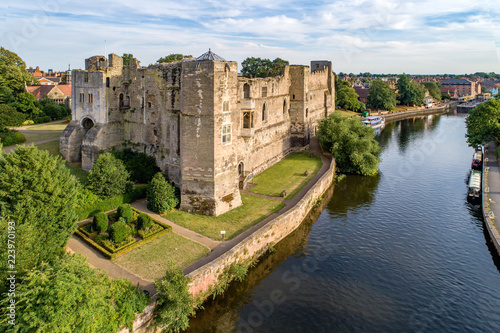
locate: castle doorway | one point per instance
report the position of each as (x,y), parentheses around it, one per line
(87,124)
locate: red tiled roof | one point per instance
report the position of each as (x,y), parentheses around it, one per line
(39,91)
(65,88)
(362,92)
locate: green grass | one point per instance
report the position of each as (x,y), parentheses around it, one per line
(150,261)
(60,126)
(34,137)
(234,222)
(288,175)
(52,147)
(348,113)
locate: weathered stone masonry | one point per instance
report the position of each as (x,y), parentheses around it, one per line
(208,128)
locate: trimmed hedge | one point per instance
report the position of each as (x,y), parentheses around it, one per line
(143,221)
(137,193)
(100,222)
(119,231)
(125,211)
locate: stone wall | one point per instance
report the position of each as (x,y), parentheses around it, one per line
(487,213)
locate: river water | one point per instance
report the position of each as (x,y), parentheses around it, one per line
(400,252)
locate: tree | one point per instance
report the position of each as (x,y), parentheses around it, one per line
(409,92)
(39,194)
(127,58)
(173,57)
(10,117)
(433,90)
(483,123)
(100,222)
(346,97)
(27,104)
(70,296)
(13,71)
(108,177)
(161,195)
(381,96)
(352,144)
(257,67)
(174,304)
(141,166)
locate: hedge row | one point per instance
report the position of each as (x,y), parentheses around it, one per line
(110,254)
(138,192)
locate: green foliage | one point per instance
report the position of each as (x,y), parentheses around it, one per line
(141,166)
(100,222)
(173,57)
(38,193)
(119,231)
(53,110)
(161,195)
(127,58)
(125,211)
(9,116)
(257,67)
(238,272)
(174,304)
(13,73)
(483,123)
(69,296)
(143,221)
(11,137)
(346,97)
(352,144)
(381,96)
(26,103)
(410,92)
(433,90)
(93,207)
(108,177)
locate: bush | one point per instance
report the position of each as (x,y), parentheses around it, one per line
(161,195)
(11,137)
(28,122)
(119,231)
(100,238)
(125,211)
(10,117)
(42,119)
(141,166)
(108,177)
(100,222)
(143,221)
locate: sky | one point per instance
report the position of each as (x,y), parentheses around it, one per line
(377,36)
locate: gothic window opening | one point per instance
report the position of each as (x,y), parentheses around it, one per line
(264,91)
(82,97)
(226,133)
(247,119)
(107,82)
(246,90)
(264,112)
(86,77)
(284,106)
(91,98)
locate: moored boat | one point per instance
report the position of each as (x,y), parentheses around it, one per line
(474,192)
(373,121)
(477,160)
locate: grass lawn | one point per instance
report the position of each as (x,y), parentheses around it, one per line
(234,222)
(348,112)
(400,108)
(59,126)
(33,137)
(288,175)
(52,147)
(150,261)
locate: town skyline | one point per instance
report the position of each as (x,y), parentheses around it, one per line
(359,36)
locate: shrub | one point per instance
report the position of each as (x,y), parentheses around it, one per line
(143,221)
(108,177)
(28,122)
(161,195)
(9,116)
(99,238)
(11,137)
(100,222)
(119,231)
(42,119)
(125,211)
(141,166)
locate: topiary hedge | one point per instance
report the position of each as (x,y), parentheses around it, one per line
(119,231)
(100,222)
(161,195)
(125,211)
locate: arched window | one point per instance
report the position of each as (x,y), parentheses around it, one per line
(246,90)
(87,124)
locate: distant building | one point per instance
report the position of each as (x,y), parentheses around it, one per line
(451,91)
(362,93)
(464,87)
(60,94)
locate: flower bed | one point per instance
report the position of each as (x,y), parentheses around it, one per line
(112,250)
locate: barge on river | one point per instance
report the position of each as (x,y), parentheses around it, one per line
(373,121)
(477,160)
(474,192)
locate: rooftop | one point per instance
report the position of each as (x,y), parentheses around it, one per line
(210,56)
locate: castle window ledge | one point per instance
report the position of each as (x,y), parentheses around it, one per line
(247,104)
(247,132)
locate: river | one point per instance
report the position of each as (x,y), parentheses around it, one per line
(399,252)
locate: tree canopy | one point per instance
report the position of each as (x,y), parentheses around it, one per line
(70,296)
(161,195)
(409,92)
(352,144)
(483,123)
(173,57)
(38,193)
(346,97)
(13,71)
(257,67)
(108,177)
(381,96)
(433,90)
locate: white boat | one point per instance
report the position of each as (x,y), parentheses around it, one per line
(373,121)
(474,192)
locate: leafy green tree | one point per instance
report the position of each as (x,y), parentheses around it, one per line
(381,96)
(409,92)
(173,57)
(483,123)
(352,144)
(257,67)
(13,71)
(141,166)
(27,104)
(10,117)
(69,296)
(161,195)
(38,194)
(108,177)
(346,97)
(127,58)
(125,211)
(100,222)
(433,90)
(174,304)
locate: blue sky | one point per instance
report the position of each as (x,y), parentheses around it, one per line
(381,36)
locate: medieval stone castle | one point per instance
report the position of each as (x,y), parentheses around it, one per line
(209,129)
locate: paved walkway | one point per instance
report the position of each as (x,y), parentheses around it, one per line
(493,180)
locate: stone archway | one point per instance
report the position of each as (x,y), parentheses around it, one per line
(87,124)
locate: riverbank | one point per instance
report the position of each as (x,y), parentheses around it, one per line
(416,112)
(491,193)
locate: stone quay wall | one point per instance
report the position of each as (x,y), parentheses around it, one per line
(487,213)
